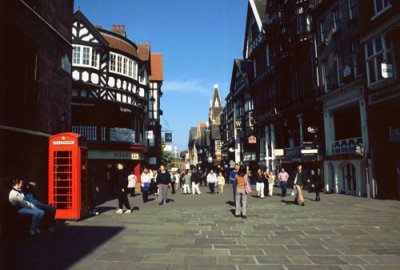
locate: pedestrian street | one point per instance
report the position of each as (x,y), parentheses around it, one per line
(201,232)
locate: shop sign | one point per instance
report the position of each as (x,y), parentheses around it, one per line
(279,152)
(114,155)
(63,142)
(238,123)
(387,70)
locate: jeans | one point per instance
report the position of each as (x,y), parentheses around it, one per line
(234,185)
(163,193)
(284,188)
(36,214)
(212,188)
(241,202)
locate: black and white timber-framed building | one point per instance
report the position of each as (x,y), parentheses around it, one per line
(110,94)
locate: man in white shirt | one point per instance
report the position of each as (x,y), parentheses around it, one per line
(283,178)
(211,180)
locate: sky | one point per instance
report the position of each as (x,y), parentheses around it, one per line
(199,40)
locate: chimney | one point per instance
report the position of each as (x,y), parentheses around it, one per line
(113,28)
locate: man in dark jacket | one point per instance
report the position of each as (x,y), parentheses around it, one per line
(300,180)
(122,178)
(164,182)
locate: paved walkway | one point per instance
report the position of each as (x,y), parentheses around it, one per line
(201,232)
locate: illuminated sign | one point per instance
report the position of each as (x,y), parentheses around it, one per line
(63,142)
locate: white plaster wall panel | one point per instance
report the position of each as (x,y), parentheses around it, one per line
(111,81)
(85,76)
(124,85)
(119,83)
(83,31)
(75,75)
(94,77)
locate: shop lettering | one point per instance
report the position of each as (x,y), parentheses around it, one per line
(63,142)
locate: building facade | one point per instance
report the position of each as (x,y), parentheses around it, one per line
(110,95)
(154,111)
(35,88)
(341,81)
(380,44)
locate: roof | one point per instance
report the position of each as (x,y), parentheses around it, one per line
(144,51)
(156,63)
(119,44)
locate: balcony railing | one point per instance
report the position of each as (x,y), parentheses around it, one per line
(114,134)
(350,146)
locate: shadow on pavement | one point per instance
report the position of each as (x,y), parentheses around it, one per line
(288,202)
(58,250)
(230,203)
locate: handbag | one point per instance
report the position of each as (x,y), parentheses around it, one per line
(146,186)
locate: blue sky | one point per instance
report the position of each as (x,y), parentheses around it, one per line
(199,40)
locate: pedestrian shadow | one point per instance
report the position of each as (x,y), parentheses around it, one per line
(150,199)
(232,212)
(255,196)
(103,209)
(288,202)
(169,200)
(230,203)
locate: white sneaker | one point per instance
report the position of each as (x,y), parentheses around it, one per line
(119,211)
(128,211)
(37,231)
(32,232)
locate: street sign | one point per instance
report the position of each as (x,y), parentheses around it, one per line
(387,70)
(238,123)
(168,137)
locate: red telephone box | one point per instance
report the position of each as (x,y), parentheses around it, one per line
(68,175)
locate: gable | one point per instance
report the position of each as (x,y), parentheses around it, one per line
(83,31)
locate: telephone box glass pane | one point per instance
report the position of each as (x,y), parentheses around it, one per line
(62,179)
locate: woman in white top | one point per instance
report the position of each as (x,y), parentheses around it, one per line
(271,182)
(145,182)
(221,182)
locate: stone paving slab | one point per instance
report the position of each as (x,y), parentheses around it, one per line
(200,232)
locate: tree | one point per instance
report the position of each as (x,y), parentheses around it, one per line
(167,159)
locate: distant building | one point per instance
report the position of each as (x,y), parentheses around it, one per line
(154,111)
(35,88)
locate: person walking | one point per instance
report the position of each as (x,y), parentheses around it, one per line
(131,184)
(283,178)
(271,182)
(221,182)
(145,183)
(211,180)
(232,178)
(316,184)
(195,179)
(241,196)
(186,182)
(299,181)
(260,184)
(173,181)
(163,181)
(122,178)
(23,207)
